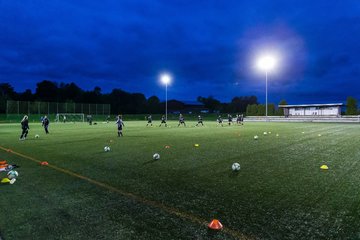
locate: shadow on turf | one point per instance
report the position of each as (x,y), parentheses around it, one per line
(150,162)
(233,174)
(212,234)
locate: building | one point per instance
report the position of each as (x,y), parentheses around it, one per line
(330,109)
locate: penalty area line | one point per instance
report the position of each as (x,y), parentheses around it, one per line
(151,203)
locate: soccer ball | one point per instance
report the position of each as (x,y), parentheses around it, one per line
(156,156)
(265,133)
(256,137)
(37,136)
(277,134)
(106,148)
(235,166)
(12,174)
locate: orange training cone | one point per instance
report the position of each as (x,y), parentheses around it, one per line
(44,163)
(215,225)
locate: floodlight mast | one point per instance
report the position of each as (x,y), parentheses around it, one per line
(165,78)
(266,63)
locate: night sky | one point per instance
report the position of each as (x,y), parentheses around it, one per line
(209,47)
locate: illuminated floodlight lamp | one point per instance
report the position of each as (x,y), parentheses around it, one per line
(266,63)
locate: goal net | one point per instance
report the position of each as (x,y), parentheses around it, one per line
(69,117)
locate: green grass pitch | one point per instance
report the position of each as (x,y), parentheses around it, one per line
(87,193)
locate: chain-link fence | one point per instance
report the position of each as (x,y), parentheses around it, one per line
(25,107)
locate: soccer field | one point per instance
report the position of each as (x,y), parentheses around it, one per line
(87,193)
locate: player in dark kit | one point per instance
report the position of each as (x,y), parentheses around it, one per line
(181,120)
(229,119)
(237,118)
(25,127)
(220,121)
(149,119)
(120,125)
(45,124)
(163,120)
(242,119)
(200,120)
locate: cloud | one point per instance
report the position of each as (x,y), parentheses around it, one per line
(209,46)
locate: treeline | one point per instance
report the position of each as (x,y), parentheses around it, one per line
(130,103)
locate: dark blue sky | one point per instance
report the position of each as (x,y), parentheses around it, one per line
(208,46)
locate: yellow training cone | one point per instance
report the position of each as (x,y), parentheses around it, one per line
(5,180)
(324,167)
(196,145)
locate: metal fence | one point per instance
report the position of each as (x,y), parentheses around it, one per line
(25,107)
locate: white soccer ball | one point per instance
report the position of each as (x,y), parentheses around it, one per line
(156,156)
(37,136)
(12,174)
(256,137)
(106,148)
(265,133)
(235,166)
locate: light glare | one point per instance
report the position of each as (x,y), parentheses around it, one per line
(165,78)
(266,63)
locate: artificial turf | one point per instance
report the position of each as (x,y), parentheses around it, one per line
(86,193)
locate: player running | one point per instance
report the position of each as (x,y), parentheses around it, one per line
(200,120)
(220,121)
(149,119)
(25,127)
(45,124)
(181,120)
(163,120)
(120,125)
(229,119)
(238,119)
(242,119)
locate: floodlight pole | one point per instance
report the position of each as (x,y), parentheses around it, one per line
(266,95)
(166,101)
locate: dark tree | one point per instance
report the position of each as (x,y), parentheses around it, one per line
(174,105)
(70,92)
(6,93)
(210,103)
(138,103)
(351,106)
(153,105)
(46,91)
(280,111)
(26,96)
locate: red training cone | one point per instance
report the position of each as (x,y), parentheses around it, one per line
(44,163)
(215,225)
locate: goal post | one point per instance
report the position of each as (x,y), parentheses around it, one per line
(70,117)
